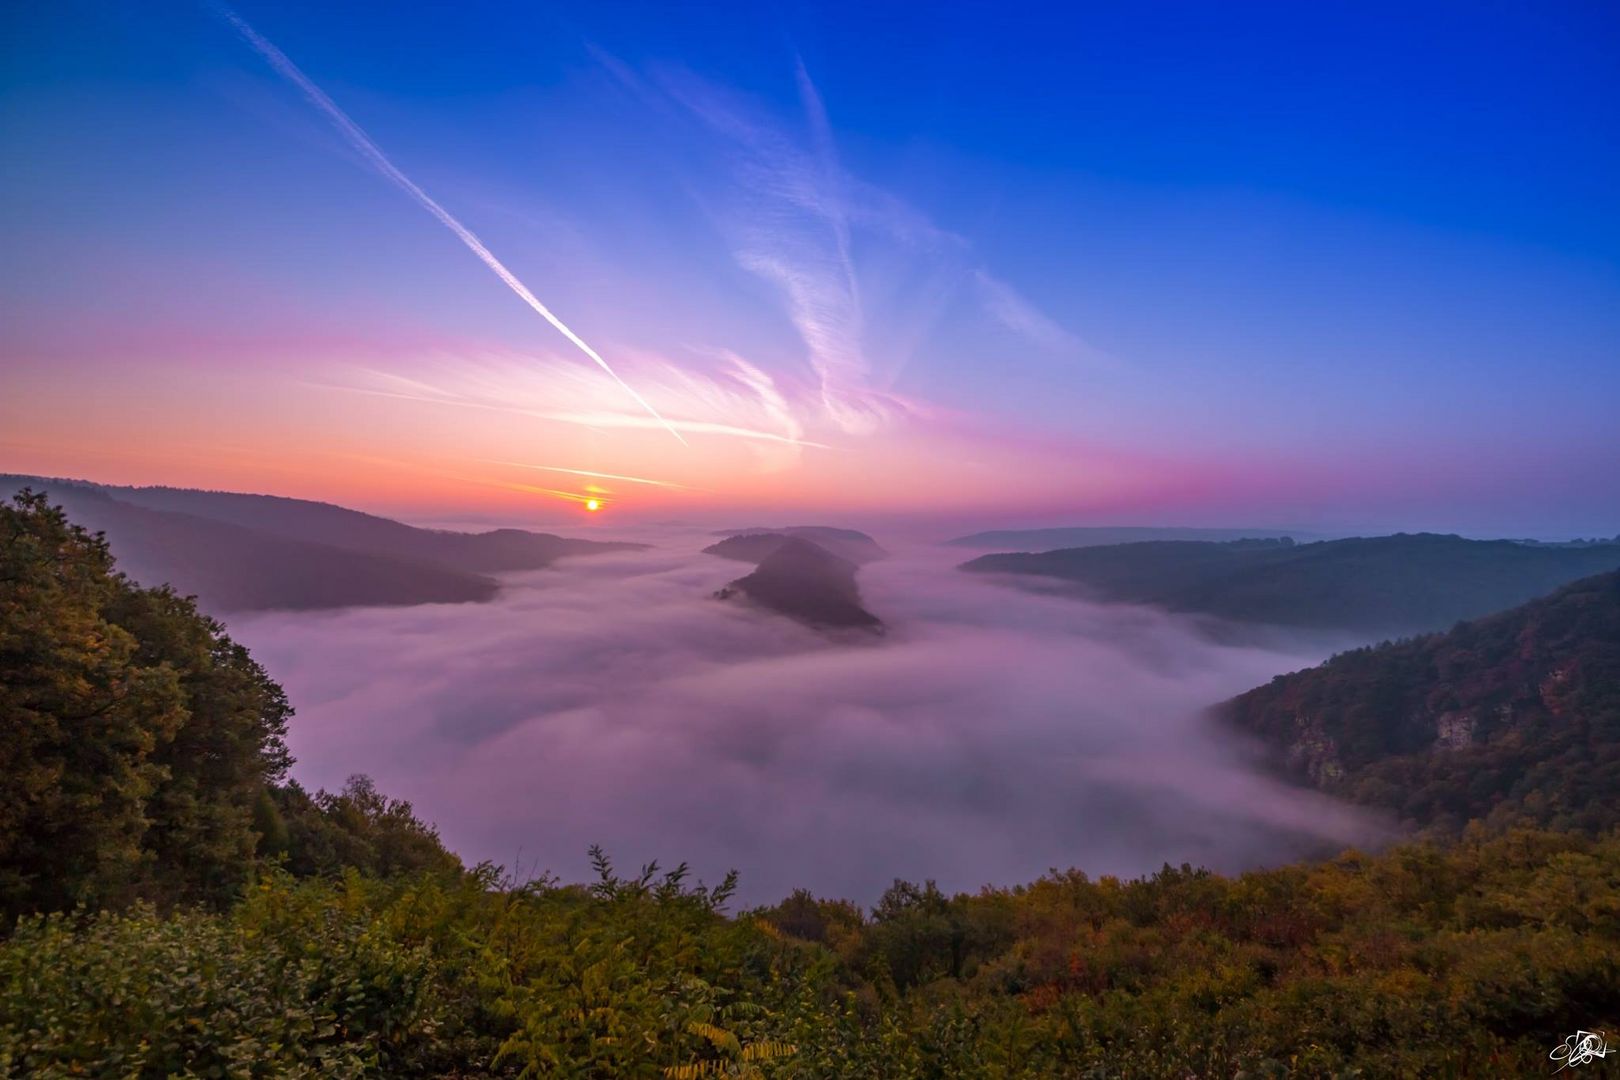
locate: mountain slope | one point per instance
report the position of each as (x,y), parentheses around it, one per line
(323,523)
(808,583)
(230,568)
(1389,585)
(239,552)
(1516,715)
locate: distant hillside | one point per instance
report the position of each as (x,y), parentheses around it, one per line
(229,568)
(1100,535)
(1383,586)
(752,545)
(808,583)
(323,523)
(1512,716)
(748,547)
(255,552)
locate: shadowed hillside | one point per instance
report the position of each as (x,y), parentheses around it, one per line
(1382,586)
(250,552)
(229,568)
(323,523)
(808,583)
(1512,716)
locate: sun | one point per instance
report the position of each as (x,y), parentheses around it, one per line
(593,504)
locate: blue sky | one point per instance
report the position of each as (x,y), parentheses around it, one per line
(1341,265)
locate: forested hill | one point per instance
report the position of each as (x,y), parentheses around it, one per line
(1376,587)
(1514,716)
(249,552)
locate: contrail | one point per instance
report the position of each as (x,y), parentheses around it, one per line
(372,153)
(588,472)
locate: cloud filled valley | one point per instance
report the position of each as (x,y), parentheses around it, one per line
(993,732)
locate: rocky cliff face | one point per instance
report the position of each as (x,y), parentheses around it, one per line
(1314,754)
(1455,730)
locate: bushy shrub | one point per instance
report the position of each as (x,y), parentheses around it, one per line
(195,994)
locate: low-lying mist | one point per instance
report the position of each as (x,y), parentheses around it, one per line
(992,734)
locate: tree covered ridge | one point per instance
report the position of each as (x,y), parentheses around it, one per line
(1511,718)
(175,907)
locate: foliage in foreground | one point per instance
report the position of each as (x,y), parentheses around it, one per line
(1473,960)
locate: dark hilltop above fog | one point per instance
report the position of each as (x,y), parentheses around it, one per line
(804,581)
(238,552)
(752,545)
(1377,587)
(1099,535)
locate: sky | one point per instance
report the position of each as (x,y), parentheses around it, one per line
(1328,266)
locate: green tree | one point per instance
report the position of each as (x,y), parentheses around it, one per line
(135,736)
(80,717)
(357,828)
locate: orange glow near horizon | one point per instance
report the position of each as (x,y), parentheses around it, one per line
(255,429)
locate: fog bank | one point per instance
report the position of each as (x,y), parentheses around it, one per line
(992,734)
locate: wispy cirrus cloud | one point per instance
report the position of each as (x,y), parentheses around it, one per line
(799,221)
(737,400)
(865,279)
(863,276)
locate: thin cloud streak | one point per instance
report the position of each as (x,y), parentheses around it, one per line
(591,473)
(468,386)
(368,149)
(530,489)
(596,420)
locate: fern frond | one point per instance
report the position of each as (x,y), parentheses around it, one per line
(719,1037)
(768,1051)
